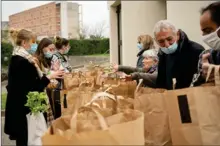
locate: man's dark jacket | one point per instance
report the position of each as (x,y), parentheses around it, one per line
(180,65)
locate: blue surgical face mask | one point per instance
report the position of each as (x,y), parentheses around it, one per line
(139,45)
(67,50)
(48,55)
(171,49)
(33,49)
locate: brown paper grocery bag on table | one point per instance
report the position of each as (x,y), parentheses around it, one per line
(152,103)
(120,129)
(194,114)
(83,93)
(71,80)
(108,101)
(123,88)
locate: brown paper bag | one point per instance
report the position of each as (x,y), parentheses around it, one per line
(109,101)
(121,129)
(123,88)
(152,103)
(110,81)
(83,93)
(194,114)
(71,80)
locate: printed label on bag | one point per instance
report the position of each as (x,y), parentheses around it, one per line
(184,109)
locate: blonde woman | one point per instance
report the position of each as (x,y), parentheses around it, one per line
(34,44)
(24,76)
(144,42)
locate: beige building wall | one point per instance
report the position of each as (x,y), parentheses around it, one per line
(113,31)
(139,17)
(186,15)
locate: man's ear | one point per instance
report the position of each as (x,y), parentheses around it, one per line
(178,35)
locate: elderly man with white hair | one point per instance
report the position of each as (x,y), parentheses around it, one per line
(178,56)
(149,71)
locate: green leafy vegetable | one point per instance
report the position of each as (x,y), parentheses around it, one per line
(37,102)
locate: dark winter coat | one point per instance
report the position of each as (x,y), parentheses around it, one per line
(180,65)
(22,78)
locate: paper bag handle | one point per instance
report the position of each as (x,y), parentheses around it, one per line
(80,85)
(210,68)
(104,94)
(217,74)
(101,119)
(139,84)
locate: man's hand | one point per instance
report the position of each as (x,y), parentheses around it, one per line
(205,67)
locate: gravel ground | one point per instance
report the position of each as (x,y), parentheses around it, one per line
(5,140)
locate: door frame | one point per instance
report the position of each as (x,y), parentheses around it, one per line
(118,11)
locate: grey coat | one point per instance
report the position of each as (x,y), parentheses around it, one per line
(149,79)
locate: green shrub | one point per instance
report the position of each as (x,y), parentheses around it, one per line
(88,46)
(7,49)
(78,47)
(3,101)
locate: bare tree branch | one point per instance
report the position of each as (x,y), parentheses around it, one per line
(84,32)
(98,30)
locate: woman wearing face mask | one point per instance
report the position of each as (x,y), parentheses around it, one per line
(44,54)
(210,26)
(149,71)
(145,42)
(59,62)
(24,76)
(34,45)
(62,47)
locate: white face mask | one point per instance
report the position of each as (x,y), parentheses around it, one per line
(212,40)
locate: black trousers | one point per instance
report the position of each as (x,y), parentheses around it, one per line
(22,136)
(22,140)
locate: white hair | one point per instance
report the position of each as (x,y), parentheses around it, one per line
(164,24)
(151,53)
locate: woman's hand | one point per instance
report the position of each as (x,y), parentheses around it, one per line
(56,65)
(56,74)
(35,61)
(115,67)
